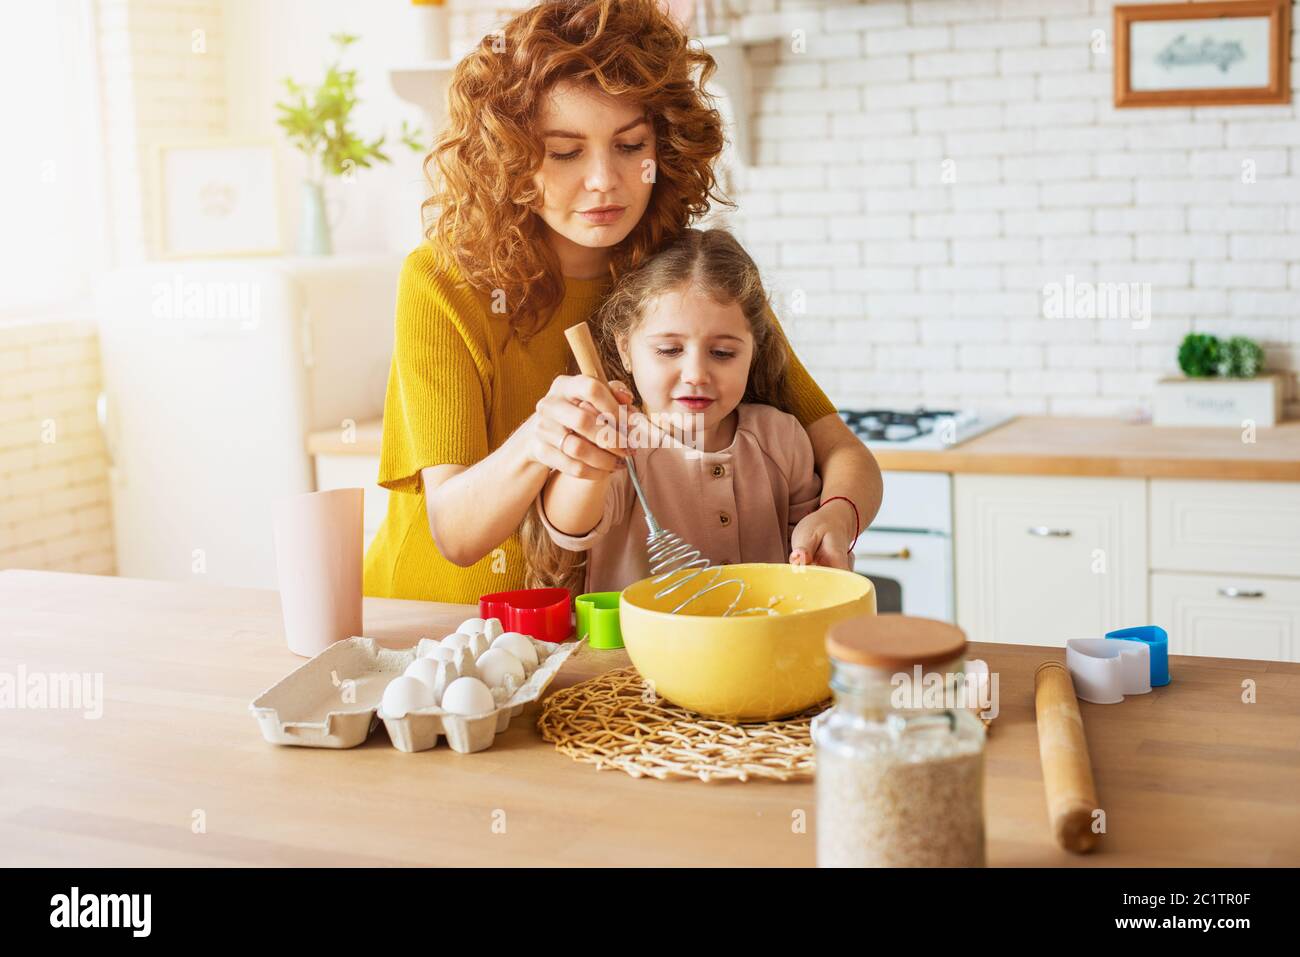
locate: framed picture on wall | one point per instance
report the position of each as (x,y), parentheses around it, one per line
(1203,54)
(217,199)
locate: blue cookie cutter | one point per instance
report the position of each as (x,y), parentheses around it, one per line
(1157,639)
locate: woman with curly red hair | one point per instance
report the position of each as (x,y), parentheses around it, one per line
(578,144)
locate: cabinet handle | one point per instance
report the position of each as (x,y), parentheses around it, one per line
(1240,593)
(903,553)
(1044,532)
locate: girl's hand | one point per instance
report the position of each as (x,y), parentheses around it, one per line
(824,537)
(576,427)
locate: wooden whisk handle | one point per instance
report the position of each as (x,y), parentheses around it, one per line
(585,351)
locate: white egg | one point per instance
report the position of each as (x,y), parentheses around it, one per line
(495,664)
(471,626)
(468,696)
(439,653)
(455,641)
(405,693)
(425,669)
(519,646)
(492,628)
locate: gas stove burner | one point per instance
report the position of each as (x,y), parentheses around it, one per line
(890,425)
(920,428)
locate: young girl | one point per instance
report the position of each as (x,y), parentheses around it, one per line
(691,326)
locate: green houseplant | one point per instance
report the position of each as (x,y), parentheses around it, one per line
(1222,385)
(1199,355)
(1204,355)
(317,122)
(1241,358)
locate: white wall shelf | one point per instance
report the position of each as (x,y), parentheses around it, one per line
(733,82)
(733,85)
(425,85)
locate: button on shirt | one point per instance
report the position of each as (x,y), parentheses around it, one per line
(736,505)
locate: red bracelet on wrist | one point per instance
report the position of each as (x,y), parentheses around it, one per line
(857,522)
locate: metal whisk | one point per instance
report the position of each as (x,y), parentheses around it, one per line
(669,556)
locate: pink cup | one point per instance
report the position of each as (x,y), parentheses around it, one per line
(318,546)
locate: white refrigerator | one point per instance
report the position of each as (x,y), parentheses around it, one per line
(215,372)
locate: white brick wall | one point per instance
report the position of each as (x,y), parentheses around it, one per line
(54,498)
(921,289)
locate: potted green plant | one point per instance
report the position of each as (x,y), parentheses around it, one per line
(1221,385)
(317,123)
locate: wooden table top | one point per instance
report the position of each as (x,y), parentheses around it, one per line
(1041,445)
(1188,775)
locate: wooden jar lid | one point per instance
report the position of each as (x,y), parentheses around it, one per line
(895,641)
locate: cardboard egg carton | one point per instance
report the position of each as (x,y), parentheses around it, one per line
(334,700)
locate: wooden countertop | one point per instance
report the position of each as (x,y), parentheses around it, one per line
(1188,775)
(1047,445)
(1051,445)
(363,441)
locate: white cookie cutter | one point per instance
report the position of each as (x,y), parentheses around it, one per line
(1106,669)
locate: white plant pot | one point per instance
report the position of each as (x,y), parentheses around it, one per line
(433,30)
(1218,401)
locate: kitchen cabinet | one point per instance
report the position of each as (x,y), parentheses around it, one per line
(1228,616)
(1252,528)
(1225,567)
(1043,559)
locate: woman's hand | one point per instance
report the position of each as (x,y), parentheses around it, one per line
(576,429)
(823,537)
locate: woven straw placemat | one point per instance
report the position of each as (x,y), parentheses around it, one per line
(615,720)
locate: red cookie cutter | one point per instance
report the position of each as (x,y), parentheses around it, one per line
(543,613)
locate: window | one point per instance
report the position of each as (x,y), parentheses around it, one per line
(52,161)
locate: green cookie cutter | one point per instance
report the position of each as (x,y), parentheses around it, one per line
(598,619)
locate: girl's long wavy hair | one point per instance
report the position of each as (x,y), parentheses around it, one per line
(713,262)
(486,157)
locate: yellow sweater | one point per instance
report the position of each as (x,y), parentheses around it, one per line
(459,385)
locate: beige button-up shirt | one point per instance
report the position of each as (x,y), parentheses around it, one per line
(736,505)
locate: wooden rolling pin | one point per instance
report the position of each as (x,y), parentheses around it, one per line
(1067,772)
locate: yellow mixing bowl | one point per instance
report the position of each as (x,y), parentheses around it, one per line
(743,667)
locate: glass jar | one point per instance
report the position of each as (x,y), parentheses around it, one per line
(900,769)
